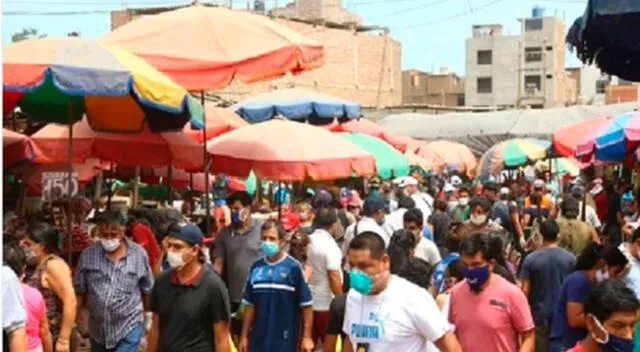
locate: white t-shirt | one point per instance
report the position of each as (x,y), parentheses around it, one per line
(394,221)
(427,251)
(424,202)
(323,256)
(403,317)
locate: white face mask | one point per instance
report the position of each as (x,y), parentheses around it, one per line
(478,219)
(602,275)
(110,245)
(175,260)
(463,201)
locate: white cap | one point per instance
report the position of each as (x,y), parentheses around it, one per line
(504,190)
(449,188)
(538,183)
(405,181)
(456,180)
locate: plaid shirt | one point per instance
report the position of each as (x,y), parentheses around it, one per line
(113,291)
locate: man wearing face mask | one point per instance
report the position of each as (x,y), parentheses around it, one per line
(237,247)
(462,211)
(611,312)
(479,220)
(490,313)
(385,312)
(277,298)
(114,279)
(190,304)
(424,202)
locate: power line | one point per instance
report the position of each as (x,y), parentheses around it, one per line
(454,16)
(419,7)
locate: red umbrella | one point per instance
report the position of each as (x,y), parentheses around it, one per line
(218,121)
(31,174)
(280,150)
(16,147)
(204,48)
(143,149)
(566,139)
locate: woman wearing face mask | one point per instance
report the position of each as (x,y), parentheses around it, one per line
(52,277)
(596,263)
(271,311)
(478,219)
(462,211)
(611,311)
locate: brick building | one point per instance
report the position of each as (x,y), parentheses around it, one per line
(443,88)
(362,63)
(327,10)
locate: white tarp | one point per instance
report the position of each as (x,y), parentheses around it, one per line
(480,131)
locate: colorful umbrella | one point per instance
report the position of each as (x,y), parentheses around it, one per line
(389,161)
(143,149)
(295,104)
(204,48)
(217,121)
(511,154)
(61,79)
(441,155)
(566,139)
(16,148)
(280,150)
(615,141)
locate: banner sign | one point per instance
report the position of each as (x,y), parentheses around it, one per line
(55,185)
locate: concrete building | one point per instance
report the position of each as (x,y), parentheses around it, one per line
(443,88)
(362,63)
(519,70)
(312,10)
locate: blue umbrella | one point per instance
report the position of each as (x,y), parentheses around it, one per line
(296,104)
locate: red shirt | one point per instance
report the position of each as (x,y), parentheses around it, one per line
(602,200)
(143,236)
(577,348)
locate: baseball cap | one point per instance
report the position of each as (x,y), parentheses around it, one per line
(449,188)
(290,221)
(405,181)
(504,191)
(189,233)
(538,184)
(456,180)
(373,204)
(354,200)
(491,186)
(322,198)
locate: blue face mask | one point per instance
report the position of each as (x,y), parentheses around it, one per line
(235,217)
(269,248)
(613,343)
(477,277)
(359,281)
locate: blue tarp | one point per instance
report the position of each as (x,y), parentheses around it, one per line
(295,104)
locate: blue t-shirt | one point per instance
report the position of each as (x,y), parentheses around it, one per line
(426,233)
(277,291)
(546,269)
(439,271)
(574,290)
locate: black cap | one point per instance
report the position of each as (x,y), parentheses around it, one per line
(189,233)
(491,186)
(373,204)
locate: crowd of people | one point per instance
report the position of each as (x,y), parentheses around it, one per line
(447,264)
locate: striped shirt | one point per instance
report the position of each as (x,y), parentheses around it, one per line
(113,291)
(277,291)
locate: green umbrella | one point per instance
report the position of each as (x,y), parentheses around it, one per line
(251,183)
(389,161)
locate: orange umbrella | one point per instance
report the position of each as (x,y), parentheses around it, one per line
(204,48)
(441,155)
(280,150)
(16,148)
(144,149)
(218,121)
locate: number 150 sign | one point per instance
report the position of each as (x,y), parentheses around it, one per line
(55,185)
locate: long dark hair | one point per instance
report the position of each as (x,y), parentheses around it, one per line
(400,246)
(298,246)
(45,234)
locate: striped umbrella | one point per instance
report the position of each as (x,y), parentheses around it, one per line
(512,154)
(615,140)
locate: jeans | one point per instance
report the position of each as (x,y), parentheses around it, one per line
(129,343)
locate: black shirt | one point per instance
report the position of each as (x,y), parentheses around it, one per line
(336,315)
(188,311)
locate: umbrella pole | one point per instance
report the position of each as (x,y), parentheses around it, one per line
(110,194)
(170,183)
(207,217)
(191,181)
(70,177)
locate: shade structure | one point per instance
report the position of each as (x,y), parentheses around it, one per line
(31,173)
(218,121)
(511,154)
(445,155)
(280,150)
(603,36)
(614,141)
(143,149)
(295,104)
(566,139)
(389,161)
(204,48)
(16,148)
(560,166)
(61,79)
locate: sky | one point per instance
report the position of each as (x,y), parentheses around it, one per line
(432,32)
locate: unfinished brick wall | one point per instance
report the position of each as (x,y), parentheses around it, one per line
(362,67)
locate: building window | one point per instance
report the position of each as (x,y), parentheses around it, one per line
(461,101)
(601,86)
(484,85)
(549,76)
(532,84)
(533,24)
(533,54)
(415,81)
(484,57)
(549,48)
